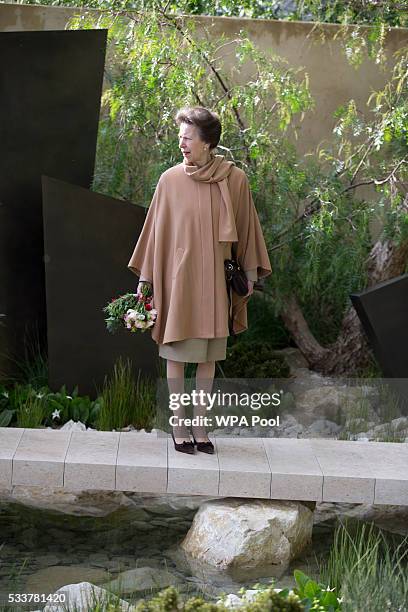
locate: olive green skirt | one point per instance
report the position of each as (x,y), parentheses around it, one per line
(195,350)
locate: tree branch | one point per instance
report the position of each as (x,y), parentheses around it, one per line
(312,209)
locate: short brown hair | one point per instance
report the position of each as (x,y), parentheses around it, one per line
(207,123)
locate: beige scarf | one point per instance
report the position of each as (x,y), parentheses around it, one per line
(216,170)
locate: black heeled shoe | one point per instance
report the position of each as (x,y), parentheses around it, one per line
(204,447)
(184,447)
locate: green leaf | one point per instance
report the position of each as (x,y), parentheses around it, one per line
(301,579)
(6,417)
(311,589)
(329,598)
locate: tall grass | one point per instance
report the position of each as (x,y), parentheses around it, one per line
(32,368)
(31,410)
(355,414)
(367,568)
(390,405)
(28,404)
(126,401)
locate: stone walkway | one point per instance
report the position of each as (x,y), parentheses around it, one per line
(268,468)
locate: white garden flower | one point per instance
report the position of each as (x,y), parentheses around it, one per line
(56,414)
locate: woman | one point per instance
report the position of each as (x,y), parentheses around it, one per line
(201,213)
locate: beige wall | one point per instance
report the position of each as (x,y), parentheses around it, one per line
(27,17)
(332,80)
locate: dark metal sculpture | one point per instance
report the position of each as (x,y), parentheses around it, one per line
(50,90)
(383,312)
(89,238)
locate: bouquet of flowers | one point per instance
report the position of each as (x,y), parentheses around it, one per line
(133,310)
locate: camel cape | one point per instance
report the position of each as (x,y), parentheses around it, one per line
(197,215)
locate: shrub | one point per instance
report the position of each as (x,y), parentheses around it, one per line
(266,601)
(254,360)
(270,600)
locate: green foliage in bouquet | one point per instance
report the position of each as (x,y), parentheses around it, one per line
(254,360)
(134,311)
(116,310)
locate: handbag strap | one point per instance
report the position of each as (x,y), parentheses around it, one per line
(230,321)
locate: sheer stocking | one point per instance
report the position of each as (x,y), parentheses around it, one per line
(204,381)
(175,381)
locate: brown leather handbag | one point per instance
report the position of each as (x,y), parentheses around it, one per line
(236,281)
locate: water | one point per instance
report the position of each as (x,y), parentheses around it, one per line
(42,550)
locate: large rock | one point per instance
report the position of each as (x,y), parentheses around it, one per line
(331,401)
(82,597)
(249,596)
(99,503)
(237,533)
(323,428)
(49,579)
(141,579)
(393,519)
(88,502)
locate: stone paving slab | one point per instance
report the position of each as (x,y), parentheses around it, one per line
(279,468)
(296,473)
(244,468)
(91,460)
(347,470)
(40,456)
(196,474)
(141,463)
(9,440)
(389,461)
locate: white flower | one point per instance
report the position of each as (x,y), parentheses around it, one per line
(5,393)
(68,397)
(135,320)
(130,315)
(40,395)
(56,414)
